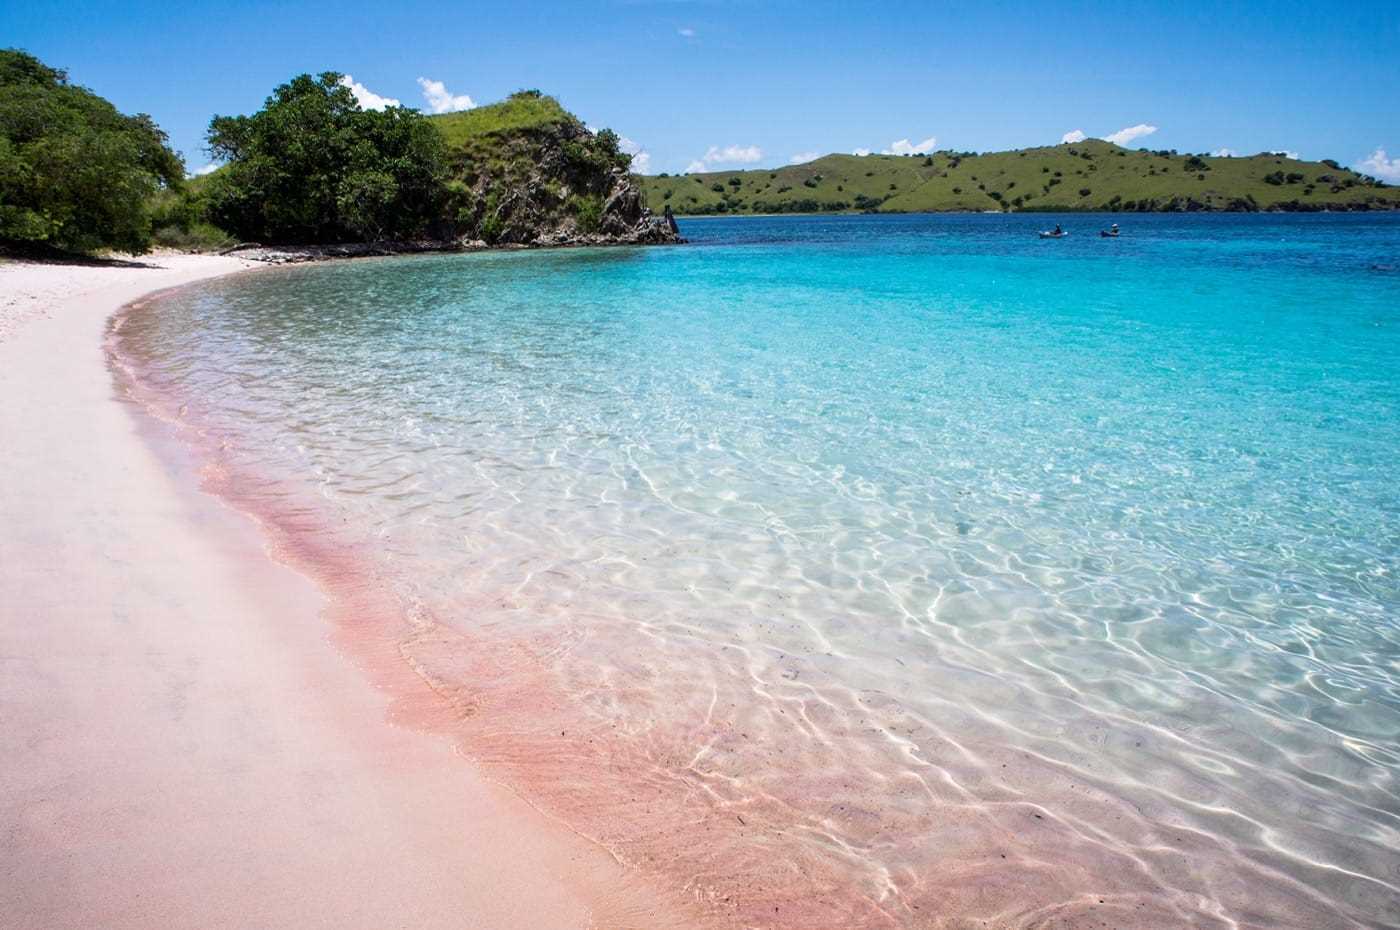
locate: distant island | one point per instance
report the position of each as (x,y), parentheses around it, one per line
(1092,175)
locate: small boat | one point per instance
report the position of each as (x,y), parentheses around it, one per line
(1047,234)
(1108,235)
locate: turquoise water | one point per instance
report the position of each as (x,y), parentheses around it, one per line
(875,571)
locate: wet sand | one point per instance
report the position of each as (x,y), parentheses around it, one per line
(181,743)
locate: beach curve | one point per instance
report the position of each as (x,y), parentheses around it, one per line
(183,745)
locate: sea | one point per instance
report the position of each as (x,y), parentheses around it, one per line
(863,571)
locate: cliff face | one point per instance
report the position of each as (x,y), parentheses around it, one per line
(528,172)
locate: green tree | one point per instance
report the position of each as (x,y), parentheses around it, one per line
(75,174)
(311,166)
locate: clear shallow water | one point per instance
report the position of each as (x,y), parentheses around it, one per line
(873,571)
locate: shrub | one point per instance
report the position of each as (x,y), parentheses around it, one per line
(1084,192)
(311,166)
(810,182)
(735,182)
(717,187)
(75,173)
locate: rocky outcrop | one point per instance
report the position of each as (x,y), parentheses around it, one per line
(551,184)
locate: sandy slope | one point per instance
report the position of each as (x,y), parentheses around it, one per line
(180,745)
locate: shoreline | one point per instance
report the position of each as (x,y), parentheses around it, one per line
(186,745)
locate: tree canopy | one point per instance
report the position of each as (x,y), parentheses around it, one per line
(75,174)
(311,166)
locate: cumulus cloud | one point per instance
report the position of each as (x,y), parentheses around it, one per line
(803,157)
(905,147)
(440,100)
(1379,166)
(729,155)
(366,98)
(1225,153)
(1287,154)
(686,31)
(212,167)
(733,154)
(1124,136)
(641,158)
(860,152)
(1074,135)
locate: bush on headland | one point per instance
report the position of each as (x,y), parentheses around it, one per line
(313,167)
(76,175)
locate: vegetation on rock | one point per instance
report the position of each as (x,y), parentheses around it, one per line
(527,171)
(75,174)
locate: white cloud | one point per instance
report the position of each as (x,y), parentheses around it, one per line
(905,147)
(686,31)
(803,157)
(1225,153)
(440,100)
(1287,154)
(641,158)
(1379,166)
(212,167)
(1074,135)
(729,155)
(1124,136)
(860,152)
(365,97)
(733,154)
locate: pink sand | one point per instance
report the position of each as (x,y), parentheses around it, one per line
(181,744)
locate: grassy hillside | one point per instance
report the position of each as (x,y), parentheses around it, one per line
(1089,175)
(526,170)
(519,112)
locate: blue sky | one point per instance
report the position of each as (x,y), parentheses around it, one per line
(726,84)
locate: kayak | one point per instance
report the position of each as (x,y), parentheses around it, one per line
(1107,235)
(1051,235)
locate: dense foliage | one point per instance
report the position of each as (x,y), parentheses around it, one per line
(313,167)
(75,174)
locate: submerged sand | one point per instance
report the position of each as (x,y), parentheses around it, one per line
(181,745)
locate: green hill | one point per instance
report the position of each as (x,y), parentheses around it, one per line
(527,171)
(1089,175)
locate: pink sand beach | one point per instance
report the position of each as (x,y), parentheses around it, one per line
(182,744)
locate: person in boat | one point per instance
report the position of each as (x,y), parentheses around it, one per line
(1058,231)
(1113,230)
